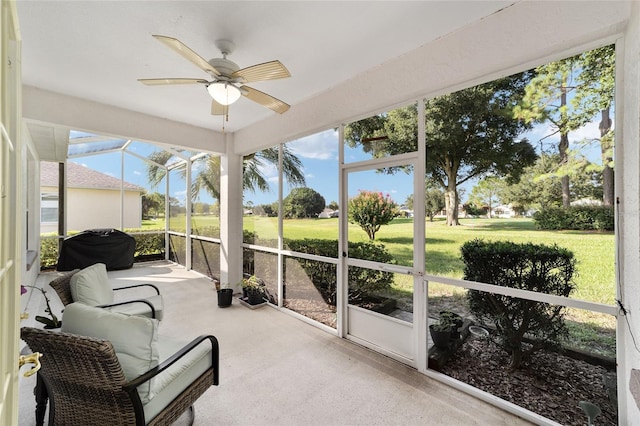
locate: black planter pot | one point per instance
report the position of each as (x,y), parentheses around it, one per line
(440,338)
(225,297)
(255,297)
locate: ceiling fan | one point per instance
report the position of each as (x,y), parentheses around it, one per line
(228,80)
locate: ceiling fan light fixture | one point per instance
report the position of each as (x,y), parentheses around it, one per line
(224,93)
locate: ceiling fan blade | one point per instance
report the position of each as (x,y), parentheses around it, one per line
(161,81)
(265,100)
(219,109)
(266,71)
(187,53)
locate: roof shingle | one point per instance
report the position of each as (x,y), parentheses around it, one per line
(82,177)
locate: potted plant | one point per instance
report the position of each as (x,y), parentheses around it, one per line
(441,332)
(49,323)
(225,295)
(455,320)
(253,290)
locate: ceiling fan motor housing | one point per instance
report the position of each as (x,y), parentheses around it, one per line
(225,66)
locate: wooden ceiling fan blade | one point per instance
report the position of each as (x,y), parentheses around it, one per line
(265,100)
(219,109)
(187,53)
(162,81)
(261,72)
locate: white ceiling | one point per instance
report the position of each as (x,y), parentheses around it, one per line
(97,50)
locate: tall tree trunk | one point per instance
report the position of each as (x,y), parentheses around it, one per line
(564,159)
(451,192)
(563,147)
(451,197)
(605,149)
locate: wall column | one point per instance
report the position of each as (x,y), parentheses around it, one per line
(230,216)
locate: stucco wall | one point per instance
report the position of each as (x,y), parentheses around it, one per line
(98,208)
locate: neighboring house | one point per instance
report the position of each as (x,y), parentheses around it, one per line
(328,213)
(503,211)
(93,199)
(405,211)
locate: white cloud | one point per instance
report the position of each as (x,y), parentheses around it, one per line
(320,146)
(309,175)
(535,136)
(137,173)
(589,131)
(181,196)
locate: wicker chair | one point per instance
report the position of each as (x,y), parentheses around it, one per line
(86,384)
(152,308)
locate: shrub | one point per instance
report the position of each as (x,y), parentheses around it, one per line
(584,218)
(528,266)
(48,253)
(324,275)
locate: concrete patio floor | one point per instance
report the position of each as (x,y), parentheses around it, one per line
(278,370)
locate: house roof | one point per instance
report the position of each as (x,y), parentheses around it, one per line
(82,177)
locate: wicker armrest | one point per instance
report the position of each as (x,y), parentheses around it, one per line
(133,384)
(138,285)
(128,302)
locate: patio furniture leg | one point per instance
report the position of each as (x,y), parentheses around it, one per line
(40,392)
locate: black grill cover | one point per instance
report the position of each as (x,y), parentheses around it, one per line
(109,246)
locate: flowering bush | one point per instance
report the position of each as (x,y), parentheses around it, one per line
(371,210)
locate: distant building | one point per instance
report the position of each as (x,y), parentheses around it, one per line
(93,199)
(328,213)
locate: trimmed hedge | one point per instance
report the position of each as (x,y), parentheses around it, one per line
(528,266)
(146,245)
(362,281)
(582,218)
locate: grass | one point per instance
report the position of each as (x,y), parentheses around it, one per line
(594,253)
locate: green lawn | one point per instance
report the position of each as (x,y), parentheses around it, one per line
(594,252)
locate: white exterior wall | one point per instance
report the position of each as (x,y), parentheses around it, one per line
(628,193)
(98,208)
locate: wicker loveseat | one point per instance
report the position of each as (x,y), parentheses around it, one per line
(124,374)
(91,286)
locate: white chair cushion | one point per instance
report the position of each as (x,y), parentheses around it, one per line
(141,309)
(91,286)
(167,385)
(134,338)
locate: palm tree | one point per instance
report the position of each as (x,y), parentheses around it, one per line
(208,176)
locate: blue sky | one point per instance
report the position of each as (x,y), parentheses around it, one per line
(319,155)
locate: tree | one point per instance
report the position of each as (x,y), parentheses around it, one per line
(333,205)
(371,210)
(589,78)
(208,175)
(487,192)
(433,200)
(200,208)
(152,204)
(539,186)
(469,134)
(302,202)
(596,92)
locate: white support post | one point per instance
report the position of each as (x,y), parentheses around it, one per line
(231,217)
(628,213)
